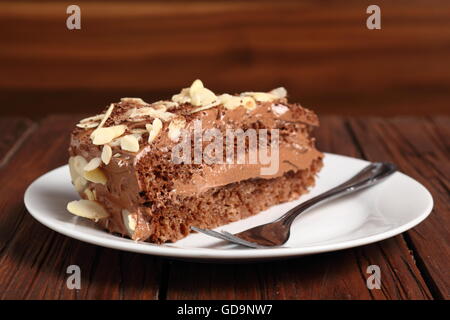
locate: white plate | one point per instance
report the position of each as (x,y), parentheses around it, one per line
(385,210)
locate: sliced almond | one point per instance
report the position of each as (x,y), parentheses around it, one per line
(140,113)
(248,103)
(230,102)
(182,97)
(129,143)
(87,125)
(202,97)
(105,135)
(78,163)
(138,101)
(96,176)
(196,85)
(129,221)
(106,154)
(153,129)
(93,164)
(166,105)
(138,131)
(106,116)
(87,209)
(208,106)
(95,118)
(79,183)
(260,96)
(280,92)
(89,194)
(175,127)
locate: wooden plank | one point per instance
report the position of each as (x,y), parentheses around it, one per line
(34,259)
(154,49)
(420,148)
(13,131)
(336,275)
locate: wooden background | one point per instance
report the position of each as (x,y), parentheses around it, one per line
(321,51)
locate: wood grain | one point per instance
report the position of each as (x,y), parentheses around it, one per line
(321,51)
(13,131)
(337,275)
(420,148)
(34,259)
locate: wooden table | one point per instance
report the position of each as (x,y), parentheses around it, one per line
(414,265)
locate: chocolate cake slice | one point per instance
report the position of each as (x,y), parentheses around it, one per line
(150,171)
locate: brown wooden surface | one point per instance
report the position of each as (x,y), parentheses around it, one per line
(414,265)
(321,51)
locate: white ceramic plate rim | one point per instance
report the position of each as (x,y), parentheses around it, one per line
(222,254)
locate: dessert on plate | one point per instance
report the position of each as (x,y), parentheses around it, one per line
(150,171)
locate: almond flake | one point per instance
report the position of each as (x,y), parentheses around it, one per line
(105,135)
(98,117)
(96,176)
(77,165)
(182,97)
(89,194)
(129,220)
(248,103)
(106,154)
(129,143)
(139,113)
(209,106)
(175,127)
(196,85)
(106,116)
(280,92)
(202,97)
(260,96)
(87,209)
(87,125)
(79,183)
(137,101)
(93,164)
(153,129)
(230,102)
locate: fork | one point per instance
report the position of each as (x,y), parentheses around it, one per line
(277,233)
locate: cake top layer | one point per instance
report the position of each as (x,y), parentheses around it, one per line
(124,124)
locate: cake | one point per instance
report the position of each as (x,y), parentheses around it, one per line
(151,171)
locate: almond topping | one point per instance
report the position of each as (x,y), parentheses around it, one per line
(96,176)
(106,154)
(139,113)
(129,143)
(77,165)
(202,97)
(129,220)
(175,127)
(153,129)
(230,102)
(87,125)
(89,194)
(87,209)
(280,92)
(93,164)
(106,116)
(248,103)
(79,183)
(260,96)
(105,135)
(98,117)
(137,101)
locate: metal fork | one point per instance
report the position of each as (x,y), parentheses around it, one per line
(277,232)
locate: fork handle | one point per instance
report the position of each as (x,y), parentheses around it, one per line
(369,176)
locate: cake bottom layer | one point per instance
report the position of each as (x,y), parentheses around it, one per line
(222,205)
